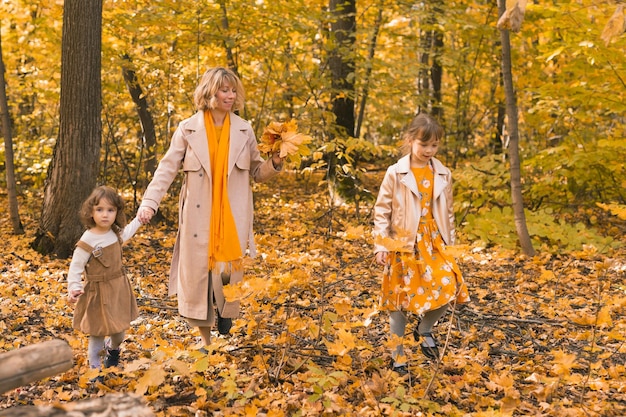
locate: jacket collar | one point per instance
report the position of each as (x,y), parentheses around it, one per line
(404,165)
(408,179)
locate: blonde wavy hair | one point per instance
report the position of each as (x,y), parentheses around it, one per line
(210,83)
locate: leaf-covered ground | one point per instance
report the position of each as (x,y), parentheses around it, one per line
(543,336)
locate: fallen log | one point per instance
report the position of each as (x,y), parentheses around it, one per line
(31,363)
(111,405)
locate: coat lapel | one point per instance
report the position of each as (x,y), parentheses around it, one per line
(440,178)
(197,140)
(238,139)
(407,177)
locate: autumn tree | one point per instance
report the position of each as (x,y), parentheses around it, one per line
(5,121)
(341,62)
(73,171)
(145,118)
(511,113)
(430,50)
(367,79)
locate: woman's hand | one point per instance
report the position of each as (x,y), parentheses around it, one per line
(144,214)
(277,160)
(381,257)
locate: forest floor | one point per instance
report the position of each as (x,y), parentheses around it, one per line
(543,336)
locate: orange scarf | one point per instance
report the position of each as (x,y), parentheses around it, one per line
(223,242)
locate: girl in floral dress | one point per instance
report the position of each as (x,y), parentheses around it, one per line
(413,224)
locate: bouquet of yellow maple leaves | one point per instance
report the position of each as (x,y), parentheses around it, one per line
(285,139)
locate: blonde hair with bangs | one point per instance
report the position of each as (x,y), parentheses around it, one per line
(212,80)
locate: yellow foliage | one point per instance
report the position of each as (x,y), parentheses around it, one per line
(615,209)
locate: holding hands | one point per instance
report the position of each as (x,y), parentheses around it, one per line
(144,214)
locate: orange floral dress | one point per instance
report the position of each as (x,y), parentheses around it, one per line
(430,278)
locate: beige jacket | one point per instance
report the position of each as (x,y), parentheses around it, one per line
(189,150)
(398,207)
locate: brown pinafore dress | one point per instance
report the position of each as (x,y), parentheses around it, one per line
(108,304)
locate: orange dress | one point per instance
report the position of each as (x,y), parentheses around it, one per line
(430,278)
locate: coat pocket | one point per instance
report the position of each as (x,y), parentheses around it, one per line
(243,161)
(191,162)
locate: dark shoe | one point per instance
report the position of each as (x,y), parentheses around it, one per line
(97,380)
(112,358)
(431,352)
(224,324)
(402,370)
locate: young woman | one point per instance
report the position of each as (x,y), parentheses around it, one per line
(217,151)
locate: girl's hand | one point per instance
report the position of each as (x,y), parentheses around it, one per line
(144,214)
(381,257)
(73,296)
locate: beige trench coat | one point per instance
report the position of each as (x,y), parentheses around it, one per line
(398,206)
(189,150)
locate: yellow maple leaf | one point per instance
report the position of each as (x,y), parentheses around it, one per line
(344,343)
(270,137)
(354,232)
(284,138)
(291,143)
(296,323)
(153,377)
(604,317)
(391,244)
(343,307)
(563,362)
(180,367)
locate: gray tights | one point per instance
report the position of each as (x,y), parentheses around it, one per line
(397,325)
(96,345)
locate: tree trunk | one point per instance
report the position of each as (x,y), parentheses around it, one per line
(431,71)
(228,44)
(22,366)
(368,73)
(514,159)
(341,63)
(342,184)
(111,405)
(8,152)
(147,123)
(73,170)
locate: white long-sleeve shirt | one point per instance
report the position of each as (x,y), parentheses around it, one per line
(95,240)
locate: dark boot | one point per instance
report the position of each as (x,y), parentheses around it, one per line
(112,358)
(223,324)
